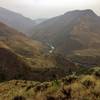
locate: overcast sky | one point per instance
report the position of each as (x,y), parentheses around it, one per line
(48,8)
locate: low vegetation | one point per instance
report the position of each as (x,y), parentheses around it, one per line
(71,87)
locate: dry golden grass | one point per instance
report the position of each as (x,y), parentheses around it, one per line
(85,87)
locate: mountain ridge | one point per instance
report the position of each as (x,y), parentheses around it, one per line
(73,30)
(17,21)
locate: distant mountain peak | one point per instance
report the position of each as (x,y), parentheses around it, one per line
(89,12)
(16,21)
(81,12)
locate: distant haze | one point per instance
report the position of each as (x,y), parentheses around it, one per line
(36,9)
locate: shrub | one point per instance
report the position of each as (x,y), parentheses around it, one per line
(96,90)
(2,77)
(67,93)
(50,98)
(41,87)
(70,79)
(97,73)
(55,83)
(88,82)
(19,98)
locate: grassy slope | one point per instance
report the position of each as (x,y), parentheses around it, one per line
(83,87)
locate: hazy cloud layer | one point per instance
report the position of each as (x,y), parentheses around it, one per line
(48,8)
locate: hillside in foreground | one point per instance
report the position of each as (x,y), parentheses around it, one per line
(72,87)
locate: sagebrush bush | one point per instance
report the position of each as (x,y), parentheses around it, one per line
(88,81)
(19,98)
(70,79)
